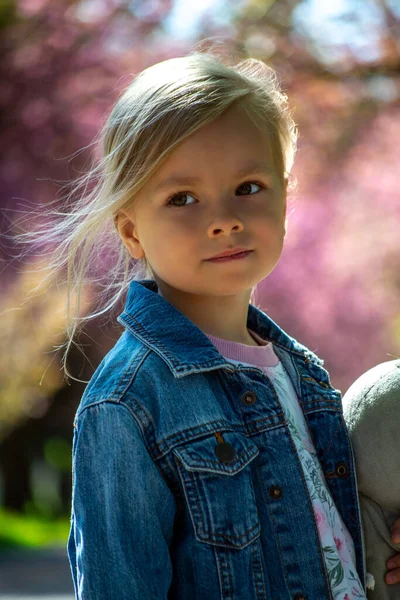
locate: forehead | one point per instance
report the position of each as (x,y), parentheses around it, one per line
(230,145)
(233,132)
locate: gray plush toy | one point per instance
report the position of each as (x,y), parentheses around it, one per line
(371,409)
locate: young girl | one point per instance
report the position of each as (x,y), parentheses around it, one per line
(210,455)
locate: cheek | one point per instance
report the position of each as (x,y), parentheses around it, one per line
(269,217)
(183,226)
(171,238)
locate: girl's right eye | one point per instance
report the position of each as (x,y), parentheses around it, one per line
(169,203)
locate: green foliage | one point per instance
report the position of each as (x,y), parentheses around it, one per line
(29,531)
(8,14)
(57,453)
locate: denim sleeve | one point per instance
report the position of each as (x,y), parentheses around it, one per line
(122,511)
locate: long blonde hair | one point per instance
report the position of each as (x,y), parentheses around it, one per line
(161,107)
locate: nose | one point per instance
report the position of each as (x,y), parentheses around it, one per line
(225,224)
(225,228)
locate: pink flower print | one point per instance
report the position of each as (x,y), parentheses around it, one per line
(354,591)
(338,542)
(341,548)
(322,522)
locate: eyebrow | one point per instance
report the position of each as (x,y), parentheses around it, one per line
(176,180)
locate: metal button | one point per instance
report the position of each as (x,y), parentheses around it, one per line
(249,398)
(275,491)
(299,597)
(342,470)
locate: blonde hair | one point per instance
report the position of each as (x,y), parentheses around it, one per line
(161,107)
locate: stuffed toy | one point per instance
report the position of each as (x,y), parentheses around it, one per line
(371,408)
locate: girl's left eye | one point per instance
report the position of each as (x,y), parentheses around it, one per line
(178,194)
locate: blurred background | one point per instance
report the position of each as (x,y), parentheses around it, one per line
(337,286)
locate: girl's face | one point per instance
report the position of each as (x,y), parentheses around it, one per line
(229,195)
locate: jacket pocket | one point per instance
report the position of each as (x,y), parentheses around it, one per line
(216,477)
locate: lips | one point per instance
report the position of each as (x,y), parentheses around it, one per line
(230,252)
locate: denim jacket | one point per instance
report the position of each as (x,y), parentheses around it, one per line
(182,488)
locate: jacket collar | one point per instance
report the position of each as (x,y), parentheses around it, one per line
(179,342)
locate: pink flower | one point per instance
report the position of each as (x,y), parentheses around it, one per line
(341,548)
(321,519)
(338,543)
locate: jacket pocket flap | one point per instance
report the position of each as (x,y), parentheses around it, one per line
(207,454)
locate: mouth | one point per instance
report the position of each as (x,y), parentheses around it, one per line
(237,256)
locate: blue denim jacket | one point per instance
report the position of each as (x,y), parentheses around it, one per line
(184,489)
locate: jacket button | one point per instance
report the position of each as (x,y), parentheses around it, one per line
(299,597)
(342,470)
(249,398)
(275,491)
(225,452)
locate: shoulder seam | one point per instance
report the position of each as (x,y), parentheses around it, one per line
(116,403)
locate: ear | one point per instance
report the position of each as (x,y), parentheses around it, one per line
(127,229)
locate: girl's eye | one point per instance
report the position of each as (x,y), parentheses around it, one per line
(180,194)
(249,184)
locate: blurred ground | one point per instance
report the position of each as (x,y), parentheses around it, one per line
(34,574)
